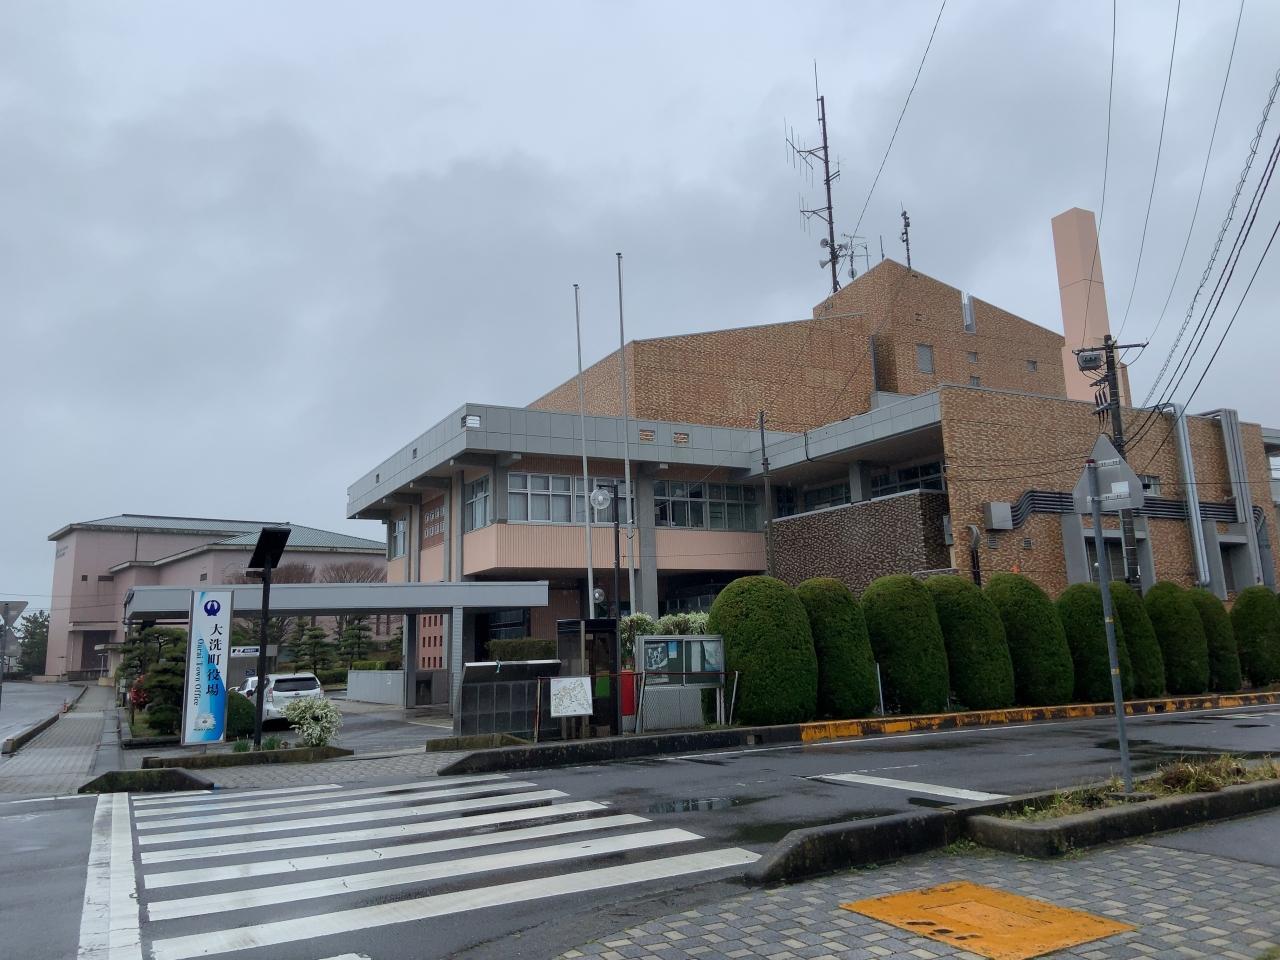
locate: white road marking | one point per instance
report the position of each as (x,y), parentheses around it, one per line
(109,923)
(341,802)
(236,803)
(421,828)
(65,796)
(264,868)
(422,908)
(195,796)
(396,813)
(419,873)
(909,785)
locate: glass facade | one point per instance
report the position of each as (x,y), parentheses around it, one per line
(705,506)
(475,513)
(920,476)
(556,498)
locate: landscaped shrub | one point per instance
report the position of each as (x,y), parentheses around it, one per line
(240,716)
(1224,659)
(846,667)
(317,721)
(522,648)
(1139,639)
(1255,618)
(1042,671)
(767,639)
(632,626)
(369,665)
(331,677)
(977,652)
(908,645)
(1080,610)
(681,625)
(1181,636)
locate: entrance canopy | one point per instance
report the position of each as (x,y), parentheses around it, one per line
(342,599)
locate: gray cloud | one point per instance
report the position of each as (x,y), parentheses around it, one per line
(300,234)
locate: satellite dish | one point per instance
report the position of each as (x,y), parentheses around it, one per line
(601,497)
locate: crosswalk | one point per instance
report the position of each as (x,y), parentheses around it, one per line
(220,873)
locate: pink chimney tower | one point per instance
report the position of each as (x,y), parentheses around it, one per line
(1084,298)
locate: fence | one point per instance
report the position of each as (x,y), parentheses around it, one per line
(376,686)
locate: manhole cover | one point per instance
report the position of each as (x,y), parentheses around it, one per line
(982,920)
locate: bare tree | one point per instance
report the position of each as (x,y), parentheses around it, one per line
(353,571)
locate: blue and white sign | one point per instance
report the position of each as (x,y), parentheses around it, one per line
(204,704)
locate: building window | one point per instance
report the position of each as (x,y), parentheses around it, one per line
(476,497)
(553,498)
(975,381)
(507,625)
(921,476)
(1150,483)
(924,358)
(973,356)
(396,539)
(705,506)
(433,522)
(1115,556)
(833,495)
(84,578)
(105,577)
(204,577)
(1032,366)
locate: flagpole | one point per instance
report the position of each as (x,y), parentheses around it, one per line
(586,479)
(626,452)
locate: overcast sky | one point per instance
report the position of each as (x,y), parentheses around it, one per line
(248,250)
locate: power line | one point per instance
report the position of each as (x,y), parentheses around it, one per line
(1222,231)
(1164,112)
(1203,175)
(902,113)
(1106,166)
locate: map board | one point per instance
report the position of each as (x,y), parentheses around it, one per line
(570,696)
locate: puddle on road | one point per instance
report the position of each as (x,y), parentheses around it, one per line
(1249,726)
(772,832)
(929,802)
(701,806)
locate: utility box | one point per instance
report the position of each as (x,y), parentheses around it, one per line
(997,515)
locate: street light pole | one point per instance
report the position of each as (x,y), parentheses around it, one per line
(600,498)
(266,557)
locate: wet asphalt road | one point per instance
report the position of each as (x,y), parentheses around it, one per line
(24,704)
(741,799)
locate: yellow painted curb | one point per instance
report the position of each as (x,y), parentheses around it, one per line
(843,729)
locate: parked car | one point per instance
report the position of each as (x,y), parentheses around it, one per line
(281,688)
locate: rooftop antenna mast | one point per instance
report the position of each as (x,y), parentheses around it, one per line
(906,235)
(809,156)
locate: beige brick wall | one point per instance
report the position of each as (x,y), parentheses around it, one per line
(811,372)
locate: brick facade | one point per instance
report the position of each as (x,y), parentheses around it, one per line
(810,372)
(859,542)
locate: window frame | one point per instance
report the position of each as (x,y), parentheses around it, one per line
(924,350)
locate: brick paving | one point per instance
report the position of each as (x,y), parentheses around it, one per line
(1183,904)
(61,759)
(349,771)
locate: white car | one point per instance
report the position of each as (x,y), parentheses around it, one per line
(281,688)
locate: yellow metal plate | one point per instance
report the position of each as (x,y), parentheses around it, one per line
(982,920)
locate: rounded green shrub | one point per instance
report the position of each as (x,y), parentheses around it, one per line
(907,641)
(1139,640)
(240,712)
(846,666)
(1224,659)
(1255,618)
(1080,610)
(767,639)
(1181,636)
(1042,671)
(977,652)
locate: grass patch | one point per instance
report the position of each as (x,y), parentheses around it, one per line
(960,848)
(1177,777)
(138,726)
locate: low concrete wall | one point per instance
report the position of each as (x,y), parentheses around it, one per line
(376,686)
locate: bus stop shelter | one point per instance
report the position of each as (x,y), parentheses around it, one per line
(410,600)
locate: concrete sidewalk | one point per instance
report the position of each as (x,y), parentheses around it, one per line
(1182,903)
(63,757)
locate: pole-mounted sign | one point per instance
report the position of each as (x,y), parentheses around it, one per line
(204,703)
(1120,488)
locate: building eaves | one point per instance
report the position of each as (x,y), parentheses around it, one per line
(129,522)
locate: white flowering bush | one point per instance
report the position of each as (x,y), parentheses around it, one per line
(317,721)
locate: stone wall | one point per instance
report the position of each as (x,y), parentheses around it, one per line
(859,542)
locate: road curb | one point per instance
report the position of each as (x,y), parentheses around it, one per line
(544,755)
(13,744)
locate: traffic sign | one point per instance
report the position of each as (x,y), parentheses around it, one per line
(11,610)
(1119,487)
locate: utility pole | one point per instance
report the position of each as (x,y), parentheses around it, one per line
(768,502)
(807,155)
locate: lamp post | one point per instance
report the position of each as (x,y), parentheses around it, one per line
(266,557)
(601,497)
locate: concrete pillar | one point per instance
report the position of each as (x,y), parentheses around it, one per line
(1073,548)
(498,494)
(453,657)
(410,656)
(647,569)
(859,481)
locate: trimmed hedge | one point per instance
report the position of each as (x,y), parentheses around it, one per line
(1181,636)
(1043,674)
(332,677)
(240,713)
(907,640)
(1080,610)
(522,648)
(370,665)
(977,652)
(1255,618)
(1140,641)
(767,638)
(1224,659)
(846,666)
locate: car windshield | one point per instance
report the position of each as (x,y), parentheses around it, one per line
(287,684)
